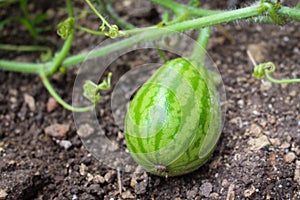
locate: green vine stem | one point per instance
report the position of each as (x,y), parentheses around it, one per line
(199,51)
(265,70)
(66,31)
(47,55)
(155,32)
(59,58)
(56,96)
(90,31)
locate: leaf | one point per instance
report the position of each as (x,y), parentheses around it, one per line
(90,89)
(40,18)
(6,21)
(90,92)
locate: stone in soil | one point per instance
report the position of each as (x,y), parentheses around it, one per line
(57,130)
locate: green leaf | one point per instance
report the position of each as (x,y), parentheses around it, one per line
(40,18)
(6,21)
(46,56)
(90,92)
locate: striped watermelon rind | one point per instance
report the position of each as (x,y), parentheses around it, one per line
(174,121)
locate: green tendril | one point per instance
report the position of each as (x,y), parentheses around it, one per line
(265,69)
(113,30)
(91,89)
(65,28)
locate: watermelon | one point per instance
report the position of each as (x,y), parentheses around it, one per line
(174,121)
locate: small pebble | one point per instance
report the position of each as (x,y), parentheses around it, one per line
(258,143)
(231,193)
(127,195)
(99,179)
(293,93)
(83,169)
(191,194)
(57,130)
(285,145)
(3,194)
(85,130)
(206,189)
(214,195)
(254,130)
(89,177)
(297,172)
(110,176)
(289,157)
(141,187)
(74,197)
(66,144)
(225,183)
(51,104)
(249,192)
(94,188)
(29,100)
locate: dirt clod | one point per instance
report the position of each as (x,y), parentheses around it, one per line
(29,100)
(110,176)
(289,157)
(206,189)
(191,194)
(99,179)
(127,195)
(57,130)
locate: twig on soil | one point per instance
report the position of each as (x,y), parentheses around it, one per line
(119,180)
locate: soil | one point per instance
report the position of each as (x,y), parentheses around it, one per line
(257,156)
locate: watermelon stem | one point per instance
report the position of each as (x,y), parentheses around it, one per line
(200,49)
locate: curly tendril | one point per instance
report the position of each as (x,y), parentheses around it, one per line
(265,69)
(65,28)
(272,7)
(114,32)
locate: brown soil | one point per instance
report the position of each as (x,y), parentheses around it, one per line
(257,156)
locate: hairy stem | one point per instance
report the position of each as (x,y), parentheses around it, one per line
(199,52)
(9,47)
(155,32)
(58,59)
